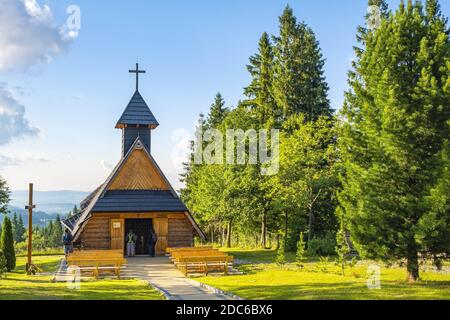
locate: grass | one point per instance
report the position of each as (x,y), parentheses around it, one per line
(262,279)
(20,286)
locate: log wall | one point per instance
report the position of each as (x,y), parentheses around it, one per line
(97,232)
(181,233)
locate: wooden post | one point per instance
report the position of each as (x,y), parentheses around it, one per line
(30,208)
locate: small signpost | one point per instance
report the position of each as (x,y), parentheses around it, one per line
(30,208)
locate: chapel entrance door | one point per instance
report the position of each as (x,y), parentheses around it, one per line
(140,227)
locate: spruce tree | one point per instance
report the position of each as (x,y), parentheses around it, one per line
(8,244)
(15,224)
(260,90)
(57,232)
(3,264)
(299,84)
(342,247)
(300,257)
(217,112)
(20,230)
(394,135)
(281,254)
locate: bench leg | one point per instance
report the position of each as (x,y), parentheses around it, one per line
(206,268)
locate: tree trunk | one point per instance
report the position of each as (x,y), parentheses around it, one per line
(412,263)
(228,244)
(264,230)
(310,224)
(286,218)
(222,244)
(270,240)
(212,234)
(278,241)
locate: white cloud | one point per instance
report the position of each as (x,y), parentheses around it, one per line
(12,118)
(7,161)
(29,36)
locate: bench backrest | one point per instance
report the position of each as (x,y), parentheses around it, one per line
(177,249)
(206,259)
(195,253)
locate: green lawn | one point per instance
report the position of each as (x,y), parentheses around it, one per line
(263,279)
(19,286)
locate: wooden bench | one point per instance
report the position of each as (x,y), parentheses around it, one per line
(176,255)
(170,250)
(200,259)
(96,261)
(204,264)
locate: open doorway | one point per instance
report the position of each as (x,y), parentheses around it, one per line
(141,227)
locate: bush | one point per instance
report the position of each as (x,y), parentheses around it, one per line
(300,257)
(324,246)
(281,254)
(8,244)
(2,264)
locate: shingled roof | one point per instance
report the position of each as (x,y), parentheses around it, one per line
(137,113)
(139,201)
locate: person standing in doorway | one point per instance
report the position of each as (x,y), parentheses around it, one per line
(67,242)
(131,244)
(152,239)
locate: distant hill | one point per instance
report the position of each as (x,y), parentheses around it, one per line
(39,218)
(50,202)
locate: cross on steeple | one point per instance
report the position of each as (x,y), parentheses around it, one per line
(137,71)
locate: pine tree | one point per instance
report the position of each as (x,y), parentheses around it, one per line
(8,244)
(20,230)
(300,257)
(57,232)
(260,90)
(281,253)
(15,224)
(299,84)
(217,112)
(394,133)
(342,247)
(3,264)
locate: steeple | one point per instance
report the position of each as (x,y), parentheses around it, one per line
(137,120)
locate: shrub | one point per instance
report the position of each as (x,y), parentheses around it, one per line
(8,244)
(300,257)
(324,246)
(281,254)
(2,264)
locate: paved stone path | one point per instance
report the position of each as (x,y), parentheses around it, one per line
(161,273)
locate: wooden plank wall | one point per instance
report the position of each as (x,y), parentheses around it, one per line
(181,232)
(97,233)
(138,173)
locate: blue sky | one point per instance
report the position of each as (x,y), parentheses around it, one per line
(190,49)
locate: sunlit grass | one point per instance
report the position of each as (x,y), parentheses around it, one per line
(20,286)
(262,279)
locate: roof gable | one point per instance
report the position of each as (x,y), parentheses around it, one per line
(77,225)
(137,113)
(138,173)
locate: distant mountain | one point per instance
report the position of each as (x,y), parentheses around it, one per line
(39,218)
(50,202)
